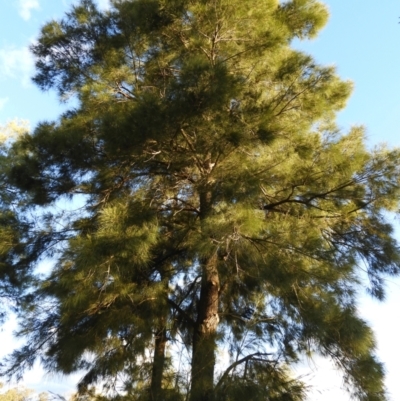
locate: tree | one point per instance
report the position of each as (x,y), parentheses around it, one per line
(16,394)
(200,198)
(23,394)
(17,248)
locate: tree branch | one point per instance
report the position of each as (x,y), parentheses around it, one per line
(238,362)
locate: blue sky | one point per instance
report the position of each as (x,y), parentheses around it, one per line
(362,39)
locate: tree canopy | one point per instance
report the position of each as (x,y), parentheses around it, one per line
(24,394)
(206,221)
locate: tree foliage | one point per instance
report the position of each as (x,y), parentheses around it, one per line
(23,394)
(17,247)
(199,201)
(16,394)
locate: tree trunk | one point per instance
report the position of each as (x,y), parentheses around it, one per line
(160,344)
(158,365)
(204,335)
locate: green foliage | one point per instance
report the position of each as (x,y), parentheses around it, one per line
(199,198)
(21,393)
(18,249)
(16,394)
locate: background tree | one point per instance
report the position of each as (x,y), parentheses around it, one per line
(16,394)
(24,394)
(200,196)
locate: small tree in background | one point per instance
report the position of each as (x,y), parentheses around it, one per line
(16,394)
(201,201)
(24,394)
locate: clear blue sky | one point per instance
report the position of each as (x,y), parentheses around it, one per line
(362,39)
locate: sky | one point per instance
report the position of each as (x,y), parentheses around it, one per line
(362,39)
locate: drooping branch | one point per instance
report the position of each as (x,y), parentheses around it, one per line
(247,358)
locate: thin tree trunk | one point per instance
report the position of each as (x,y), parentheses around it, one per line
(160,344)
(204,335)
(158,365)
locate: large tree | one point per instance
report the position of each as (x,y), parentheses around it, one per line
(199,202)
